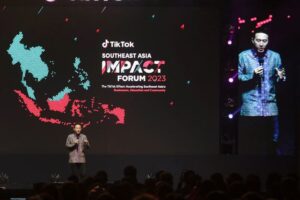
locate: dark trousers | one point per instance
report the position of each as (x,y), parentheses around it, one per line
(256,136)
(78,170)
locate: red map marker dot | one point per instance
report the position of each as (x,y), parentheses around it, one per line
(98,30)
(182,26)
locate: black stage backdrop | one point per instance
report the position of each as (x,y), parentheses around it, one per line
(53,76)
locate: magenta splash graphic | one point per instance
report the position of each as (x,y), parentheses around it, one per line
(65,107)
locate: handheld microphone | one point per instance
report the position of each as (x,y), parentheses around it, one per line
(77,145)
(261,64)
(261,61)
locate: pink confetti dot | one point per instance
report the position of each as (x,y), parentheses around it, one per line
(182,26)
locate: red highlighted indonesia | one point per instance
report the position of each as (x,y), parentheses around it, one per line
(67,111)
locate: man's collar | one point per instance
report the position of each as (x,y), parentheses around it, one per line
(255,53)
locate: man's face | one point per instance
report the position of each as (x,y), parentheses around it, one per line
(260,41)
(77,129)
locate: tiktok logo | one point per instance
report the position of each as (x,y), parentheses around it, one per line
(117,44)
(105,44)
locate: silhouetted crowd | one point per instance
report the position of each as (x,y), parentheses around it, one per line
(191,186)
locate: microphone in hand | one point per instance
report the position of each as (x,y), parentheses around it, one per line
(259,71)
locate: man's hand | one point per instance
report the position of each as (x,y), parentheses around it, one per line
(76,141)
(280,73)
(259,71)
(86,142)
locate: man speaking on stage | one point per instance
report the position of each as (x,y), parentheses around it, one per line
(259,70)
(77,143)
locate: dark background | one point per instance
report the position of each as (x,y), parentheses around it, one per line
(152,125)
(156,135)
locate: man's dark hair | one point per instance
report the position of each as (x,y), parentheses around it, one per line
(77,124)
(261,30)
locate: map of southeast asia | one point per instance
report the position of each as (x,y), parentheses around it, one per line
(63,108)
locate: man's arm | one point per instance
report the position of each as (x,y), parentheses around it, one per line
(280,71)
(248,77)
(242,76)
(86,142)
(70,143)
